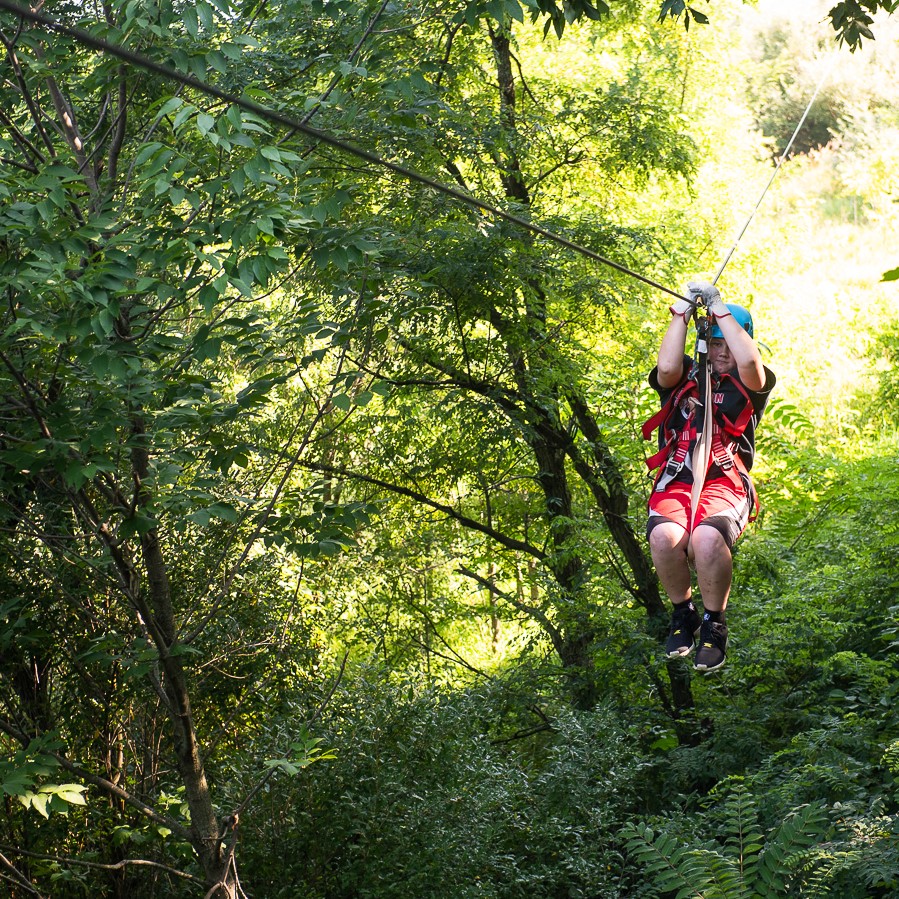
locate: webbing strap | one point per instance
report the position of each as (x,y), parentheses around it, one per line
(703,448)
(658,419)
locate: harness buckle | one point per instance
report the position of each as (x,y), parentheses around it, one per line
(673,467)
(722,453)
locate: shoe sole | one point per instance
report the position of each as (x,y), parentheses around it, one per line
(706,670)
(683,653)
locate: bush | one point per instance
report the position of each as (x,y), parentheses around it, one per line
(421,801)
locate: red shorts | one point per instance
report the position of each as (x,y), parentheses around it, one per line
(722,505)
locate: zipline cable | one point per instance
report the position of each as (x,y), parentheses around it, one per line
(780,162)
(702,450)
(140,61)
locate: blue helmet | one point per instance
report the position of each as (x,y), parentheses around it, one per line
(741,315)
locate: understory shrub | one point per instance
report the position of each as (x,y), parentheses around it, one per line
(427,798)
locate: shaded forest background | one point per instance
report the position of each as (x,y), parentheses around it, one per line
(322,492)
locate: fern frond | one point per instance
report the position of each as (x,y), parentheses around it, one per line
(785,847)
(862,859)
(727,880)
(823,866)
(744,837)
(671,867)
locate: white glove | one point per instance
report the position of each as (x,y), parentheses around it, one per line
(684,308)
(711,298)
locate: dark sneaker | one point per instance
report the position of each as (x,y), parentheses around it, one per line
(712,648)
(685,624)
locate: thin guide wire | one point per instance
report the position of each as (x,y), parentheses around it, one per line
(780,162)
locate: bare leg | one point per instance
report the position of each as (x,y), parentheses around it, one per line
(668,544)
(714,567)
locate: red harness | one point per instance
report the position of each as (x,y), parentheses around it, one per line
(676,442)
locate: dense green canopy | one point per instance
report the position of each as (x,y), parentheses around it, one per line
(322,486)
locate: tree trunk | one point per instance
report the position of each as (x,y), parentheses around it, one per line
(204,827)
(552,445)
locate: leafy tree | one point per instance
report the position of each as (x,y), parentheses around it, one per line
(149,322)
(481,325)
(153,430)
(852,19)
(426,797)
(230,353)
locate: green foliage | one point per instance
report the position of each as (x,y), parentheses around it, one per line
(742,862)
(431,794)
(852,19)
(676,8)
(557,15)
(24,777)
(790,417)
(788,87)
(882,406)
(304,752)
(262,410)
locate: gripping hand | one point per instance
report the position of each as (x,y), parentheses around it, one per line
(709,297)
(683,307)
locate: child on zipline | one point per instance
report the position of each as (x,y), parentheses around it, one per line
(703,497)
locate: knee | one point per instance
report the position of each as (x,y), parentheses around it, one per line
(666,541)
(707,543)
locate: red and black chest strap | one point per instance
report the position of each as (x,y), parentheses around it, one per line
(676,441)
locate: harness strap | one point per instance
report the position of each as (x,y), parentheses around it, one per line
(722,454)
(672,438)
(659,418)
(736,428)
(711,445)
(703,449)
(730,463)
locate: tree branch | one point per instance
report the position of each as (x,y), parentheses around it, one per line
(16,876)
(102,784)
(116,866)
(26,94)
(464,520)
(537,614)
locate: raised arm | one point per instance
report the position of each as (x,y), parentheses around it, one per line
(670,362)
(742,347)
